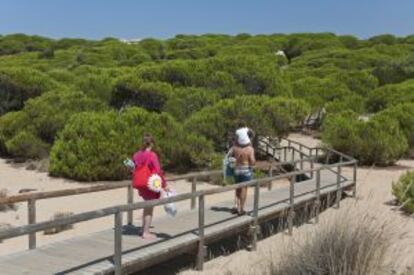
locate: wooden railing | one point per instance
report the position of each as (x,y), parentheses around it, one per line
(32,198)
(313,154)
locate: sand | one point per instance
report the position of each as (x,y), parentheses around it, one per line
(374,189)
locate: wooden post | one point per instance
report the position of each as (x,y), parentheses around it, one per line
(193,190)
(338,187)
(201,249)
(354,180)
(301,161)
(317,154)
(269,186)
(311,163)
(118,243)
(130,198)
(253,227)
(293,154)
(31,218)
(300,147)
(284,154)
(291,204)
(318,196)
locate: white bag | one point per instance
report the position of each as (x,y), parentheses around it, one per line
(170,208)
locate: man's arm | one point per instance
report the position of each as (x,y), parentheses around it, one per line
(252,159)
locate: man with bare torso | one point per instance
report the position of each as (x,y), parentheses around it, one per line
(243,152)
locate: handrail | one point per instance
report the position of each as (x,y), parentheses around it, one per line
(90,215)
(97,188)
(117,210)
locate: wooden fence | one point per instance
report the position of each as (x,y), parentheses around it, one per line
(311,156)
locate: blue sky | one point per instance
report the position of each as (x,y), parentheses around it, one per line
(95,19)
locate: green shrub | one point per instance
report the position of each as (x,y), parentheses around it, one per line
(318,91)
(378,141)
(265,115)
(131,91)
(19,84)
(403,190)
(47,53)
(390,95)
(250,74)
(404,114)
(185,101)
(355,103)
(92,146)
(27,145)
(40,120)
(97,85)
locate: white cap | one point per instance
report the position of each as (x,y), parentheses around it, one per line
(242,136)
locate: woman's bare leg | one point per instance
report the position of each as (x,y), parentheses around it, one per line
(242,197)
(146,222)
(236,199)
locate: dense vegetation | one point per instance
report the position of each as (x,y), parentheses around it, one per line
(403,190)
(86,103)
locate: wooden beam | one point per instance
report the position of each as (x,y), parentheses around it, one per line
(318,196)
(193,190)
(130,200)
(90,189)
(118,243)
(338,187)
(291,204)
(255,224)
(201,240)
(31,219)
(354,179)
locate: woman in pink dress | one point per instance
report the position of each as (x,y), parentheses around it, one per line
(146,155)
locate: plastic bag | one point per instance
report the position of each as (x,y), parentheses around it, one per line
(228,169)
(170,208)
(129,164)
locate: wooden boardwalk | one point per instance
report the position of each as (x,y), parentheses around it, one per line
(92,254)
(120,250)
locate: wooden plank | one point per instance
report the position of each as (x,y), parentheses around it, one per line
(193,190)
(200,253)
(118,244)
(130,200)
(31,219)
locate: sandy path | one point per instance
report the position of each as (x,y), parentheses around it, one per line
(374,193)
(14,179)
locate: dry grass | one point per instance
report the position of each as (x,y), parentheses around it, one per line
(55,230)
(5,207)
(354,240)
(351,243)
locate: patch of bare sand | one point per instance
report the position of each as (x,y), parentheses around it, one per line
(374,196)
(15,178)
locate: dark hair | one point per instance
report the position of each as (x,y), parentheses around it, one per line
(147,141)
(241,123)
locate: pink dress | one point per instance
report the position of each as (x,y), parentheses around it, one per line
(149,157)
